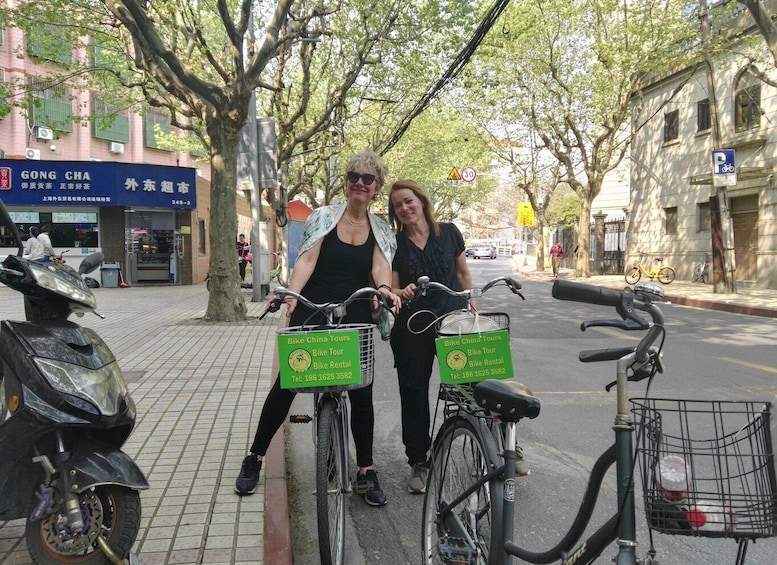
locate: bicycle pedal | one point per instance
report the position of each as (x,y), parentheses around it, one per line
(456,550)
(300,419)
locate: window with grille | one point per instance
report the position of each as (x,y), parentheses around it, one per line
(671,125)
(703,118)
(47,42)
(153,122)
(50,105)
(109,123)
(747,102)
(670,221)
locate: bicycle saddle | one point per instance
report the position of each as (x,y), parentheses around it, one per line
(511,400)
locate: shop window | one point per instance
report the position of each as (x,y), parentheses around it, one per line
(71,229)
(50,105)
(155,123)
(703,217)
(747,101)
(703,118)
(109,123)
(201,237)
(670,221)
(671,126)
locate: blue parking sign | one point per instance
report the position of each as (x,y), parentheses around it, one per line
(724,171)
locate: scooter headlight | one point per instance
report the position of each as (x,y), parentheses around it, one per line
(51,280)
(103,387)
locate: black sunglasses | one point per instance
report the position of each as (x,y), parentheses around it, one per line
(366,178)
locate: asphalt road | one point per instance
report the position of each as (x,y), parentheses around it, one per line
(708,354)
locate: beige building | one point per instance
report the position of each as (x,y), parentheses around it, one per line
(672,162)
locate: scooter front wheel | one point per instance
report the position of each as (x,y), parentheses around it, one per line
(108,511)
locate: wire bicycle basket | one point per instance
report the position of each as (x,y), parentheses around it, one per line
(707,467)
(323,359)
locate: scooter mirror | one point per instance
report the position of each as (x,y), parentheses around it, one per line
(90,263)
(6,221)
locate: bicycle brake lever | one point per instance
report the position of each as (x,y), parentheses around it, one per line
(273,306)
(514,286)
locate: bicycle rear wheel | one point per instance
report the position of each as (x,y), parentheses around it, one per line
(666,275)
(467,532)
(633,275)
(700,274)
(330,484)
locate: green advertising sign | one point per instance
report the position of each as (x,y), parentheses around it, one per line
(319,358)
(474,357)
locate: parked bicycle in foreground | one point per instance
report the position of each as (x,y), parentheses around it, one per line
(664,273)
(328,360)
(707,466)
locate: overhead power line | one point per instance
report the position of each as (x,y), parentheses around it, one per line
(451,73)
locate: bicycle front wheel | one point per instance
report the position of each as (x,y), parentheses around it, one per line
(330,484)
(633,275)
(472,527)
(666,275)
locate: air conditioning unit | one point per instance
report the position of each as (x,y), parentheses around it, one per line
(117,147)
(45,133)
(33,154)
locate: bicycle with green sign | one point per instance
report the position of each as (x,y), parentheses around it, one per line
(328,360)
(471,346)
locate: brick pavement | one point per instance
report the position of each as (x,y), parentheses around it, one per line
(199,388)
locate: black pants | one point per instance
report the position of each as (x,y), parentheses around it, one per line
(414,357)
(277,406)
(242,267)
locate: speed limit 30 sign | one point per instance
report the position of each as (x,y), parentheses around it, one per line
(468,174)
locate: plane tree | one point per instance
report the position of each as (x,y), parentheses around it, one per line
(570,72)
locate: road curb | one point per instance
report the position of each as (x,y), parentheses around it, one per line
(277,525)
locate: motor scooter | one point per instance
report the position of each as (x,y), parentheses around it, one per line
(65,412)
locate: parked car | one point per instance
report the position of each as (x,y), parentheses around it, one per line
(469,250)
(484,250)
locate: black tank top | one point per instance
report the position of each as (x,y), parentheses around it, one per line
(341,270)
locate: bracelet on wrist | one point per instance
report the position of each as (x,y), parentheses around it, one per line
(384,286)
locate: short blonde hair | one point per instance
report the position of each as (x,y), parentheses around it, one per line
(369,161)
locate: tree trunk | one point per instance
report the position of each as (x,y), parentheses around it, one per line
(583,268)
(540,244)
(225,303)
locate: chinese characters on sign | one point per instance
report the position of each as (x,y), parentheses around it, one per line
(117,184)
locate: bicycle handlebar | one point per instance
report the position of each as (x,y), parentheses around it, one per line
(424,284)
(627,303)
(331,309)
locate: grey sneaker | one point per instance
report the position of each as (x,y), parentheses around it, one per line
(249,475)
(416,484)
(521,466)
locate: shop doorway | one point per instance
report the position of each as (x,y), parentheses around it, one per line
(151,246)
(744,216)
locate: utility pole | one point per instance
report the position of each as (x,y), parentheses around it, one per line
(721,229)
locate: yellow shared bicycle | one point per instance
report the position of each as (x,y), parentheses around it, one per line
(664,273)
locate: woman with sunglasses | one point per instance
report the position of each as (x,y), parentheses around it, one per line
(343,248)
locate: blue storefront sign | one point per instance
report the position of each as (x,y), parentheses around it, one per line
(88,183)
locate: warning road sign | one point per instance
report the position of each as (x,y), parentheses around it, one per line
(454,174)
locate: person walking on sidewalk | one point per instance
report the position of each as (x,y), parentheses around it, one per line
(343,248)
(555,258)
(243,248)
(425,247)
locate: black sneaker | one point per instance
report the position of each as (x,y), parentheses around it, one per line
(249,475)
(367,486)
